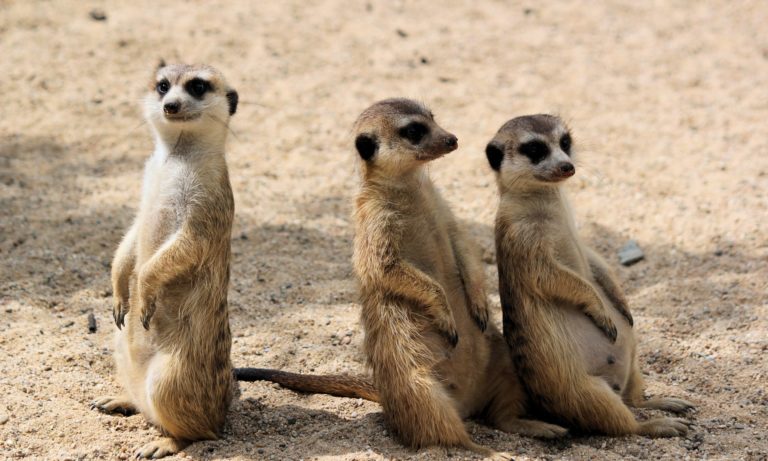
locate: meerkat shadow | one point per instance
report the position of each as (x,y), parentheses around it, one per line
(50,221)
(293,431)
(294,264)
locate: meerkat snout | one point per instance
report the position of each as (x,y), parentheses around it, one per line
(171,108)
(566,169)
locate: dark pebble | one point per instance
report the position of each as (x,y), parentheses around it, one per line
(98,15)
(630,253)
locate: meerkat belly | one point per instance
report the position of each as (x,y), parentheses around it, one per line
(610,361)
(461,369)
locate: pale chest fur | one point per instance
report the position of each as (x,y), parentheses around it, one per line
(166,189)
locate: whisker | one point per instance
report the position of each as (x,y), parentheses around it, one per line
(225,125)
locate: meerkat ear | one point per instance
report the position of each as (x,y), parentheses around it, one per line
(366,145)
(160,64)
(232,98)
(495,153)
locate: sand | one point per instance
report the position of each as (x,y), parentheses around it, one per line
(668,104)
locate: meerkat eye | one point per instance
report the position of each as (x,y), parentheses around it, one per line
(565,143)
(414,132)
(534,150)
(162,87)
(197,87)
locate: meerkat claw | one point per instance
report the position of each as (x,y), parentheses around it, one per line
(481,319)
(607,327)
(452,338)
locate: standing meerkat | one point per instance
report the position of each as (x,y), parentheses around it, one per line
(170,273)
(548,279)
(435,357)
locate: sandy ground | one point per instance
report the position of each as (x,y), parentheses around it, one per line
(668,103)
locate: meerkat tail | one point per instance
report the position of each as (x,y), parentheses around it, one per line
(355,387)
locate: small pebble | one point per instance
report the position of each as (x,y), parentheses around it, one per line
(98,15)
(91,323)
(4,418)
(630,253)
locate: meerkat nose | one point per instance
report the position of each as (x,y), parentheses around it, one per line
(567,168)
(451,141)
(171,108)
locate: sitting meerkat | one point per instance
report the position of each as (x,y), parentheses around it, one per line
(170,273)
(436,358)
(547,278)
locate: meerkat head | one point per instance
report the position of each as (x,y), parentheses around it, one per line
(397,135)
(189,98)
(533,150)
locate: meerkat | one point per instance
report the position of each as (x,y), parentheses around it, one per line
(547,276)
(170,273)
(435,356)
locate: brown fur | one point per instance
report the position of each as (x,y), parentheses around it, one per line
(338,385)
(421,283)
(435,358)
(170,275)
(568,368)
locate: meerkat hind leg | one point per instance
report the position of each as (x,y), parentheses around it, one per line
(672,404)
(161,448)
(115,404)
(532,428)
(635,396)
(664,427)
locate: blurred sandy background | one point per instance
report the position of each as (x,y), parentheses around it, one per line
(668,101)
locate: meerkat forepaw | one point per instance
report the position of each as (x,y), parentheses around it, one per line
(452,336)
(628,316)
(480,315)
(604,324)
(147,311)
(147,306)
(119,310)
(621,305)
(481,319)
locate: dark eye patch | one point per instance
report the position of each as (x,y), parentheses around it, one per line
(565,143)
(414,132)
(197,87)
(162,87)
(535,150)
